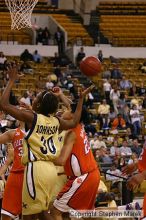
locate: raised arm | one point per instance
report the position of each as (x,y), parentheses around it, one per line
(8,161)
(22,115)
(66,101)
(67,124)
(7,137)
(67,148)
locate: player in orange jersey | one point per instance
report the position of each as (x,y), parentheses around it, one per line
(80,191)
(137,179)
(13,189)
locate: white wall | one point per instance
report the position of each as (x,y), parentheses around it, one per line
(16,50)
(65,4)
(119,52)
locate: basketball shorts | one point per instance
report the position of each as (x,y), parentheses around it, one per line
(61,181)
(79,193)
(39,181)
(12,198)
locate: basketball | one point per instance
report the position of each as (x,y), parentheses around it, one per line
(90,66)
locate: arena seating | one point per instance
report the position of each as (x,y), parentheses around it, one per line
(22,37)
(123,28)
(75,30)
(122,7)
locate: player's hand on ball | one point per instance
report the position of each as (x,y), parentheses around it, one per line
(83,93)
(135,181)
(57,91)
(129,169)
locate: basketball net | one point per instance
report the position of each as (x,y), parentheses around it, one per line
(21,11)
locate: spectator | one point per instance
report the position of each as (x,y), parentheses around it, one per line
(37,57)
(125,150)
(114,96)
(136,121)
(40,84)
(133,90)
(106,73)
(141,90)
(94,142)
(56,60)
(25,99)
(135,101)
(89,100)
(112,115)
(57,72)
(104,156)
(49,83)
(45,36)
(125,83)
(133,159)
(126,115)
(103,111)
(116,73)
(118,123)
(116,180)
(115,150)
(144,102)
(136,148)
(114,60)
(2,60)
(81,54)
(26,56)
(39,35)
(107,88)
(121,162)
(59,37)
(100,56)
(26,68)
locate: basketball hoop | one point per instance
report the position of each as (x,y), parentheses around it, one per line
(21,11)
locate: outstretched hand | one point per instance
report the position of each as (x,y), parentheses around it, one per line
(13,73)
(57,91)
(85,92)
(129,169)
(135,181)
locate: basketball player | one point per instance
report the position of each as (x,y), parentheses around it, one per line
(137,179)
(80,191)
(40,147)
(13,189)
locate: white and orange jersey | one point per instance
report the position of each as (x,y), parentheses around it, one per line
(18,146)
(81,159)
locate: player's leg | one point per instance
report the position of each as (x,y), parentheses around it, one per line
(56,214)
(12,199)
(37,193)
(78,194)
(30,217)
(5,217)
(45,216)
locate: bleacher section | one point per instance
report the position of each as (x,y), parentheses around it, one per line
(122,7)
(124,30)
(74,29)
(122,23)
(8,35)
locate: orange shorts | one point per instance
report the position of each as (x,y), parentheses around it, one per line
(79,193)
(12,198)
